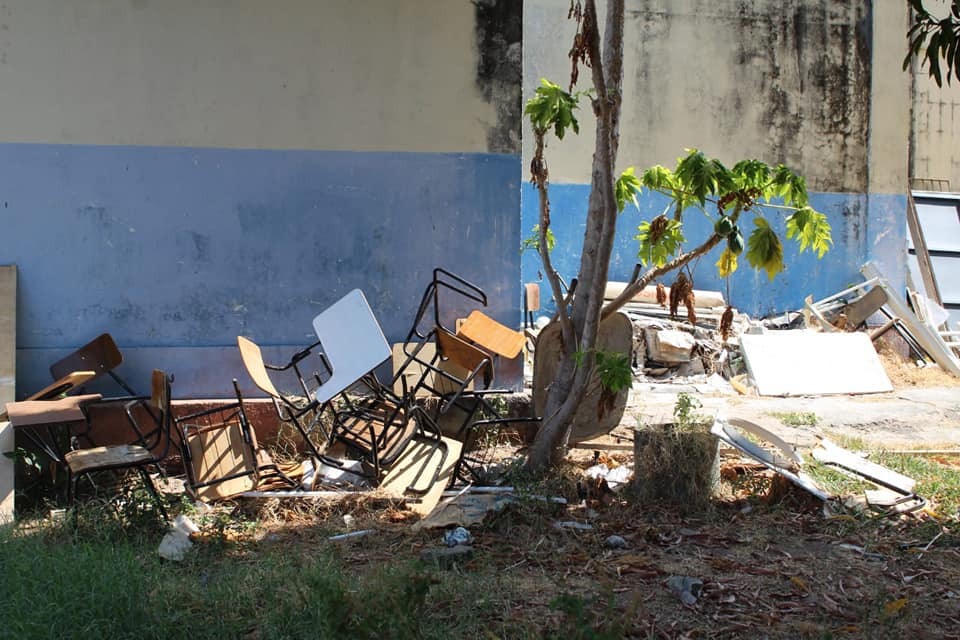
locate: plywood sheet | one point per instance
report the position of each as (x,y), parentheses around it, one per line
(8,364)
(809,363)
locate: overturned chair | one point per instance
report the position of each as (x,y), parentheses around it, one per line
(222,457)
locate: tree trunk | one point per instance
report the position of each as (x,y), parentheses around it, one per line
(568,387)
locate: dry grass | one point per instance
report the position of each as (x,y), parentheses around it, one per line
(905,373)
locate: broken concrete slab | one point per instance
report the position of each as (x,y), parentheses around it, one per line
(669,345)
(802,362)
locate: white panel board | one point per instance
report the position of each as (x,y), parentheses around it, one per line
(353,341)
(8,363)
(808,363)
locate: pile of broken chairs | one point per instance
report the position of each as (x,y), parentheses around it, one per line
(356,430)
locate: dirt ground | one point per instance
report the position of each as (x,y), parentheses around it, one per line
(766,560)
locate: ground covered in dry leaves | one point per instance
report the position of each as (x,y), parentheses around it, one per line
(772,564)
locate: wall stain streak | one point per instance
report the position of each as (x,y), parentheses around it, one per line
(499,43)
(780,81)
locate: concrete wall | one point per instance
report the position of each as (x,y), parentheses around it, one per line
(936,128)
(798,82)
(179,172)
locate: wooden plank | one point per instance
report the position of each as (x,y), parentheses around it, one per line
(8,365)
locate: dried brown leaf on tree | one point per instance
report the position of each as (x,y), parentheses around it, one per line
(661,295)
(726,323)
(678,292)
(690,302)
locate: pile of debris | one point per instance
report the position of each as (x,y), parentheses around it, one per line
(717,345)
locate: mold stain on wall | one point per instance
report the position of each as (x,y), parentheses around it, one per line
(782,81)
(499,45)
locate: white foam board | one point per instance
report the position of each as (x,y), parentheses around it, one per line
(809,363)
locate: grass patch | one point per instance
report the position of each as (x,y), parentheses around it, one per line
(67,580)
(938,483)
(797,418)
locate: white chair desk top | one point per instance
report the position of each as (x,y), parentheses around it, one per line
(353,342)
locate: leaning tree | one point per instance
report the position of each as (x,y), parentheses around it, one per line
(727,195)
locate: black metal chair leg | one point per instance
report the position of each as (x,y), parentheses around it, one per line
(153,490)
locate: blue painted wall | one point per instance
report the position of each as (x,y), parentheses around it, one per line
(864,228)
(176,251)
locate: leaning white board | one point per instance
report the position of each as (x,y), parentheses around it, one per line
(353,342)
(809,363)
(8,363)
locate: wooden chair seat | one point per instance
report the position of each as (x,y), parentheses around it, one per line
(489,334)
(122,455)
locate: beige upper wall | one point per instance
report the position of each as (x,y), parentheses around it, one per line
(332,74)
(782,81)
(936,129)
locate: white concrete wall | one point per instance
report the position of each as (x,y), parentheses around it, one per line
(337,74)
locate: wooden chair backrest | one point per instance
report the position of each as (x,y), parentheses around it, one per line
(100,355)
(489,334)
(253,361)
(465,355)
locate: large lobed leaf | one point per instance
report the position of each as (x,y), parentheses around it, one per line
(551,106)
(811,229)
(764,249)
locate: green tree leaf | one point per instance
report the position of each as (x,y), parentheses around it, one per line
(658,247)
(552,107)
(533,241)
(811,230)
(701,176)
(764,249)
(626,189)
(613,369)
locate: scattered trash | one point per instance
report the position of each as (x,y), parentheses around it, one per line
(572,524)
(615,477)
(176,542)
(785,461)
(616,542)
(458,536)
(447,557)
(348,520)
(848,462)
(686,588)
(344,473)
(351,535)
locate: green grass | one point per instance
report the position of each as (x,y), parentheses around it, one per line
(106,580)
(797,418)
(938,483)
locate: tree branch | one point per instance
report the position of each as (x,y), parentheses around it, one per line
(635,287)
